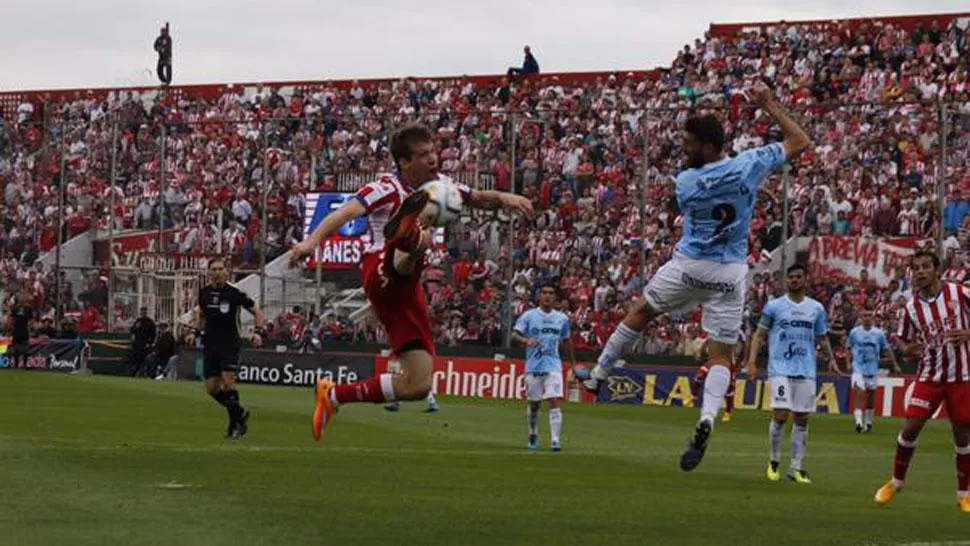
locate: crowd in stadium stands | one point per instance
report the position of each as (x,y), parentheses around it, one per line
(867,93)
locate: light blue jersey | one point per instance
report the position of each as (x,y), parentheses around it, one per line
(792,332)
(717,201)
(549,329)
(867,348)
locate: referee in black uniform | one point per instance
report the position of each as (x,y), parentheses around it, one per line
(19,322)
(217,322)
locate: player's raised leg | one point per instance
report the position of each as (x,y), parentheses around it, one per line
(723,311)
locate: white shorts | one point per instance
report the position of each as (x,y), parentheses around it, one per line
(543,386)
(682,284)
(864,382)
(797,395)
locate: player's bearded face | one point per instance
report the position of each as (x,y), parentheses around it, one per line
(694,151)
(796,281)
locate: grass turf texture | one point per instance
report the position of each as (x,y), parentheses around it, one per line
(103,461)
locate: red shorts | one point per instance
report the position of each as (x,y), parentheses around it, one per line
(398,301)
(927,398)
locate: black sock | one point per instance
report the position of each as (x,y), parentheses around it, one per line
(220,398)
(232,404)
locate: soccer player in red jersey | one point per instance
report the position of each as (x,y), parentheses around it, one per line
(935,327)
(392,265)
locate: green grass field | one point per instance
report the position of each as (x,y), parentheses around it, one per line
(89,460)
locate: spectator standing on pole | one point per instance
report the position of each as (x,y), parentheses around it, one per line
(163,46)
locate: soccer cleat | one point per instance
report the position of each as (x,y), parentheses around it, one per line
(533,442)
(596,375)
(869,428)
(324,410)
(393,406)
(772,472)
(964,503)
(696,447)
(799,476)
(886,493)
(432,408)
(858,428)
(556,446)
(242,426)
(726,418)
(406,220)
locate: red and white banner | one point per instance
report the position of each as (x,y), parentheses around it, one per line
(478,377)
(843,258)
(128,247)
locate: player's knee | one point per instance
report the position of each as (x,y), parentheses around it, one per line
(415,387)
(801,419)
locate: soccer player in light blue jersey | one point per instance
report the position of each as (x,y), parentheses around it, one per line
(867,344)
(543,330)
(716,196)
(794,324)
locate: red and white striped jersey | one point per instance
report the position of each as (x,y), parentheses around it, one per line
(928,321)
(382,198)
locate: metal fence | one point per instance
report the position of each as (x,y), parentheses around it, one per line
(255,170)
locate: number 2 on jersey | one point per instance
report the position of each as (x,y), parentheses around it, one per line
(725,214)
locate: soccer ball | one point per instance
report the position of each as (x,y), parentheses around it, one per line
(444,202)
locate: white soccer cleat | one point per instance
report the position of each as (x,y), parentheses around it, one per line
(597,374)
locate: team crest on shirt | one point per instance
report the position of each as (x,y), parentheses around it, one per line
(224,307)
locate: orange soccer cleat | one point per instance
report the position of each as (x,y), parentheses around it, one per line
(964,503)
(406,222)
(886,493)
(324,410)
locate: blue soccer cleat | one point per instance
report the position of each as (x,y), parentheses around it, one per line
(533,442)
(393,406)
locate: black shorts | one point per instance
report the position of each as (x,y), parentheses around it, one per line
(217,360)
(19,347)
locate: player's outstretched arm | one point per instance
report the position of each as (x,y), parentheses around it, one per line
(491,200)
(350,210)
(796,139)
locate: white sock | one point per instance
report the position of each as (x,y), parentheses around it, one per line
(868,417)
(387,387)
(858,416)
(620,339)
(533,415)
(799,445)
(431,400)
(555,423)
(775,431)
(715,387)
